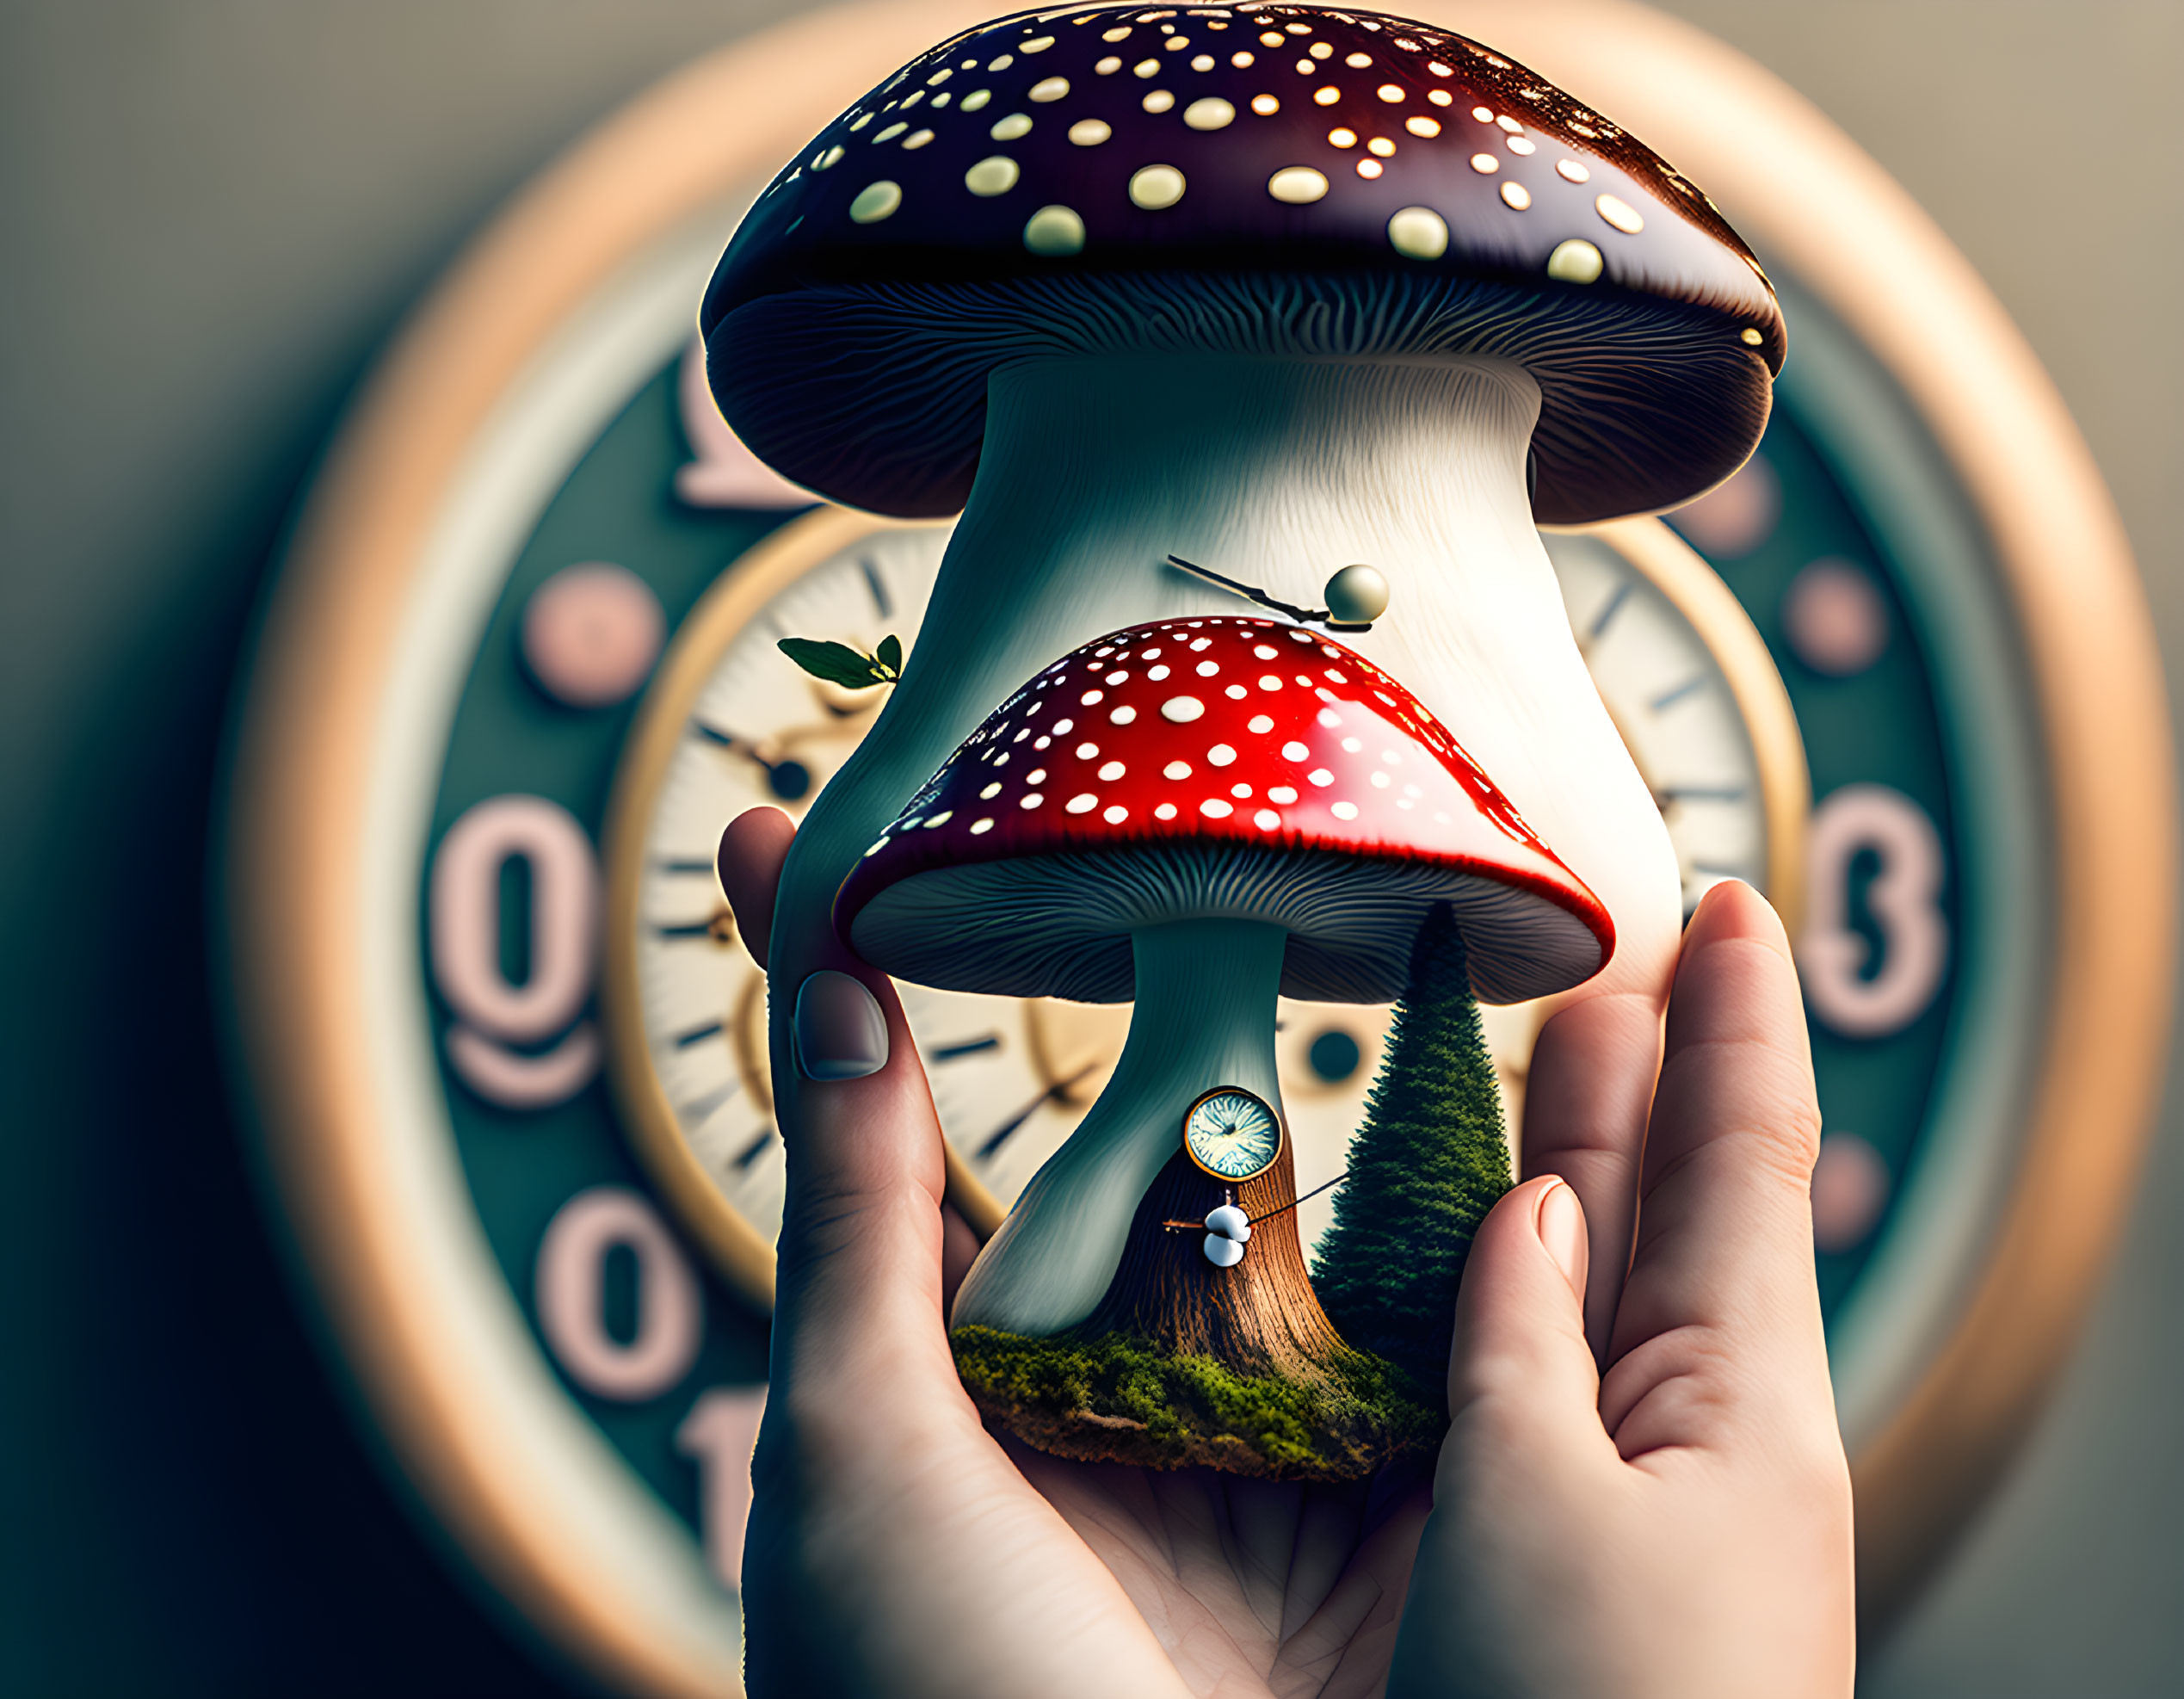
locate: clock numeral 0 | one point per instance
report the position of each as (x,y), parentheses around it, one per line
(492,1014)
(1904,899)
(570,1288)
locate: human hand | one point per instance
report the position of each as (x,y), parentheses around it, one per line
(896,1547)
(1683,1524)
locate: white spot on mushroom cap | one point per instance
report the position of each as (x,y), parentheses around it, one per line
(1210,114)
(1146,68)
(1181,710)
(912,143)
(1091,132)
(1108,66)
(1342,810)
(979,828)
(1620,213)
(1123,715)
(1260,722)
(1048,88)
(975,99)
(1207,668)
(1420,125)
(1083,803)
(1575,261)
(1221,755)
(1217,807)
(993,175)
(1087,751)
(1321,777)
(1159,101)
(1265,819)
(1030,799)
(1266,106)
(1177,770)
(875,201)
(1054,231)
(1114,814)
(991,792)
(1037,45)
(1516,196)
(1284,795)
(1112,770)
(1297,185)
(1156,187)
(1166,811)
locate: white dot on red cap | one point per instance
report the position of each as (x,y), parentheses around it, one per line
(1523,144)
(1086,752)
(1369,167)
(1181,710)
(1380,781)
(1036,777)
(1484,114)
(1329,717)
(1517,195)
(1041,743)
(1157,674)
(1305,67)
(1122,716)
(1177,770)
(1321,776)
(1220,755)
(1217,807)
(1358,61)
(1063,727)
(1572,171)
(1259,722)
(1165,811)
(1265,819)
(1112,770)
(1390,92)
(1295,751)
(1351,745)
(1031,801)
(1332,677)
(1419,125)
(1281,793)
(1269,681)
(979,828)
(991,791)
(1342,810)
(1002,760)
(940,819)
(1510,125)
(1083,803)
(1198,643)
(1265,652)
(1236,692)
(1116,677)
(1021,735)
(1115,814)
(1207,668)
(1266,106)
(1092,696)
(1320,50)
(1440,97)
(1240,792)
(1440,69)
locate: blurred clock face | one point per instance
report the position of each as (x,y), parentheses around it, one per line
(530,1152)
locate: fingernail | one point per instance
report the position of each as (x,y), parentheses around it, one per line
(1562,1231)
(840,1033)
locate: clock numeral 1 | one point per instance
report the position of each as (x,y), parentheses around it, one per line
(1904,899)
(718,1435)
(569,1289)
(492,1013)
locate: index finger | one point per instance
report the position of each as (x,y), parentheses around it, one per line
(1724,1253)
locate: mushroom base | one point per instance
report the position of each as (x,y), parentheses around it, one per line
(1117,1398)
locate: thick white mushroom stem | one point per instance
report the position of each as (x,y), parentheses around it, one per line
(1276,469)
(1204,1017)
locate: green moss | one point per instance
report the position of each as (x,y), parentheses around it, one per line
(1426,1166)
(1121,1399)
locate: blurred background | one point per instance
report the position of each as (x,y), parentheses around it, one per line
(211,217)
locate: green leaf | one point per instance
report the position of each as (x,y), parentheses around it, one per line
(890,655)
(836,662)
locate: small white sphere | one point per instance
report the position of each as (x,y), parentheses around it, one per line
(1357,594)
(1230,1222)
(1223,1253)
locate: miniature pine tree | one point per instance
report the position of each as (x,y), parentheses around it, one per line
(1426,1166)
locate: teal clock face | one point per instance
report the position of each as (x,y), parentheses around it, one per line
(1232,1134)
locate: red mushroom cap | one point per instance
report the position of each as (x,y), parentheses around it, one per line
(1233,767)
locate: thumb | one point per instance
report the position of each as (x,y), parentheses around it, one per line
(1520,1351)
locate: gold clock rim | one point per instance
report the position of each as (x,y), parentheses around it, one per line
(1784,172)
(1696,592)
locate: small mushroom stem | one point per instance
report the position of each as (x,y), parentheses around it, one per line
(1205,1016)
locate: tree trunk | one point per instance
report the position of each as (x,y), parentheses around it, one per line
(1259,1318)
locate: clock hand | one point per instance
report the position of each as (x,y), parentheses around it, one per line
(1002,1133)
(789,780)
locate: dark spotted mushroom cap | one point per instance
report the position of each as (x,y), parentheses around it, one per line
(1227,766)
(1292,179)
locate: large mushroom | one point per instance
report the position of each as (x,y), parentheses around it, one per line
(1275,289)
(1201,814)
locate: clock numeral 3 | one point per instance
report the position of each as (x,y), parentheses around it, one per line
(1903,899)
(493,1013)
(570,1288)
